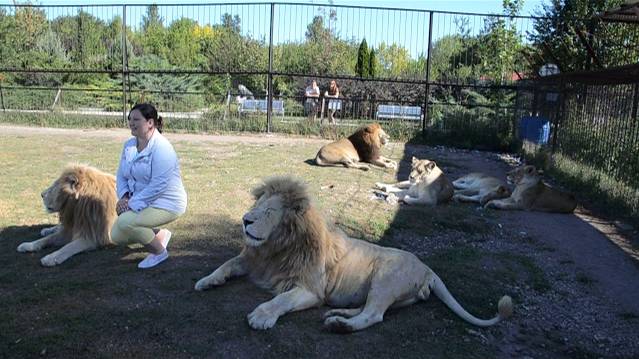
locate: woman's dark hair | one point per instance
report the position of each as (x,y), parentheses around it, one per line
(150,113)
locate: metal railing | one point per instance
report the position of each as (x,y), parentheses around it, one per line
(424,58)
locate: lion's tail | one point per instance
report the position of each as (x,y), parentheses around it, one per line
(318,159)
(504,308)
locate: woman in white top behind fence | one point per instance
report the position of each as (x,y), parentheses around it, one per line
(149,187)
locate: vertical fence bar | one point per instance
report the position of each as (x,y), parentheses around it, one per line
(1,96)
(269,86)
(428,60)
(635,103)
(124,67)
(558,116)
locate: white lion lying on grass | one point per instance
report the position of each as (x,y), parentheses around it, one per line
(291,251)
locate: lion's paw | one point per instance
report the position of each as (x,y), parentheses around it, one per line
(382,186)
(209,281)
(338,325)
(490,204)
(49,230)
(27,247)
(49,260)
(261,318)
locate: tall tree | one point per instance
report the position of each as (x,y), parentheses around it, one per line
(152,18)
(373,65)
(231,23)
(556,37)
(362,68)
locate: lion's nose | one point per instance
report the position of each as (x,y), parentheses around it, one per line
(247,222)
(42,194)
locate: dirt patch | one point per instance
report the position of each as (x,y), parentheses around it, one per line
(592,308)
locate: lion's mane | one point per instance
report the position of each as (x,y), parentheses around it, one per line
(366,142)
(300,251)
(87,200)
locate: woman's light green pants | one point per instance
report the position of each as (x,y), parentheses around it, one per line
(132,227)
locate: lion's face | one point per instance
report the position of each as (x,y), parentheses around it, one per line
(420,170)
(261,221)
(60,191)
(383,137)
(520,174)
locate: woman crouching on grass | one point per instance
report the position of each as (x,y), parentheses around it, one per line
(149,187)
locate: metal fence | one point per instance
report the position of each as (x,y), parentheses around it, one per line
(97,60)
(594,144)
(262,51)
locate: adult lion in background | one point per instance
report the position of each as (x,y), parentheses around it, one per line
(291,251)
(426,184)
(532,194)
(363,146)
(480,188)
(84,198)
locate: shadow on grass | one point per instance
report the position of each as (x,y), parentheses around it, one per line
(98,304)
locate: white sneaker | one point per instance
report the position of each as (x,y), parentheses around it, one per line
(153,259)
(167,237)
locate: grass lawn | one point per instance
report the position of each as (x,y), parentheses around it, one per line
(99,304)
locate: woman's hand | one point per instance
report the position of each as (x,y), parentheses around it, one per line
(122,205)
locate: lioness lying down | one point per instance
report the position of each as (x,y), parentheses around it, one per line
(84,198)
(364,145)
(426,184)
(479,187)
(532,194)
(291,251)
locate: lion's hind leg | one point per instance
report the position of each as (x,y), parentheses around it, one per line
(350,163)
(52,239)
(467,196)
(386,291)
(505,204)
(343,312)
(69,250)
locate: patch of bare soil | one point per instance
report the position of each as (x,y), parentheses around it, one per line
(592,306)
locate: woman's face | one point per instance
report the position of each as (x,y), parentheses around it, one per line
(333,84)
(140,126)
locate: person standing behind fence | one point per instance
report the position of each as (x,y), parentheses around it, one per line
(312,94)
(333,105)
(149,187)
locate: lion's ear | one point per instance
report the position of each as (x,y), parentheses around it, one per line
(415,159)
(258,192)
(431,165)
(73,181)
(530,169)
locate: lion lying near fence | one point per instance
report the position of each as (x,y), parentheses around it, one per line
(426,184)
(364,145)
(291,251)
(85,199)
(532,194)
(480,188)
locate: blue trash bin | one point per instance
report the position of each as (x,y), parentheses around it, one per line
(534,129)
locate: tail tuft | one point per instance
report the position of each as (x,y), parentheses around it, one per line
(505,307)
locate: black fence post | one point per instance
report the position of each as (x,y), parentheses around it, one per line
(269,86)
(558,117)
(635,102)
(428,60)
(2,98)
(124,65)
